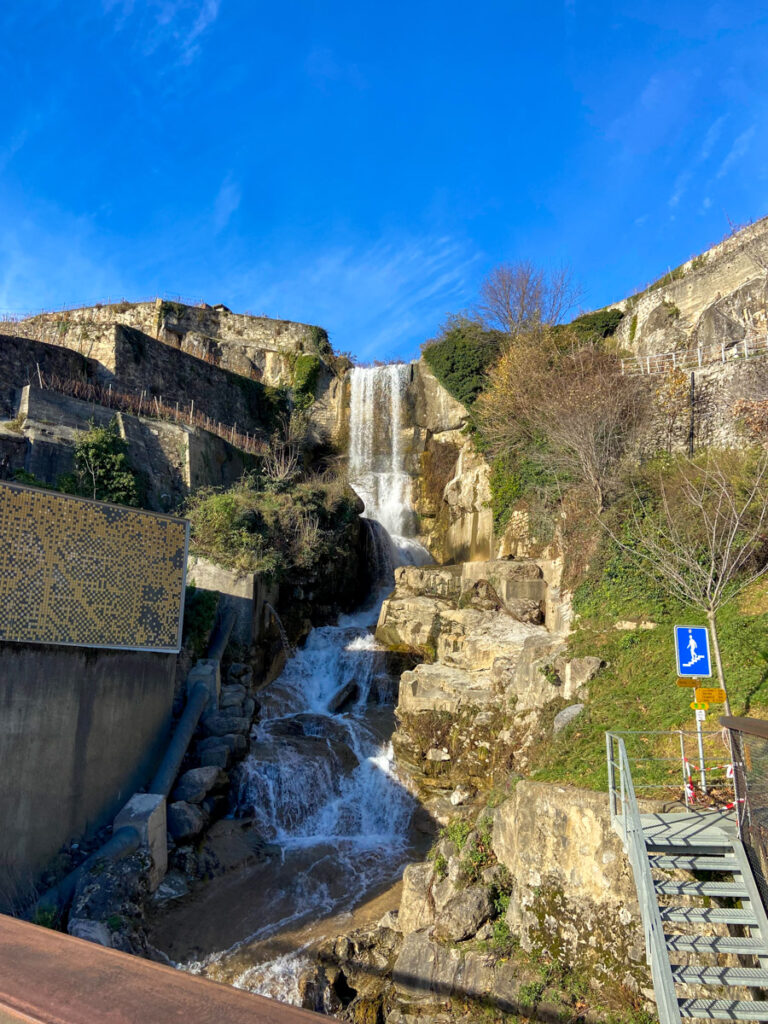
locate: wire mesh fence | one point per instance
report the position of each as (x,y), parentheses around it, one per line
(151,406)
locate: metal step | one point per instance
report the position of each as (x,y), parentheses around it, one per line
(709,847)
(714,944)
(692,862)
(736,890)
(708,915)
(751,976)
(724,1009)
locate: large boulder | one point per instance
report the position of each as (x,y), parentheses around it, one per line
(573,895)
(185,821)
(417,908)
(195,785)
(426,971)
(463,914)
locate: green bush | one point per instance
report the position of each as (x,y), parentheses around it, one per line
(102,471)
(461,356)
(633,327)
(515,477)
(305,374)
(199,616)
(271,526)
(601,324)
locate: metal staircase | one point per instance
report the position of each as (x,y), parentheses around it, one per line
(698,924)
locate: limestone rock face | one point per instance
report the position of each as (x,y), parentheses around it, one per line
(434,409)
(463,914)
(489,661)
(573,893)
(417,909)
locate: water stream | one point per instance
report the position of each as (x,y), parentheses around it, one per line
(320,779)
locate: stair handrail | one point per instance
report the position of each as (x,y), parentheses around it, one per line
(629,826)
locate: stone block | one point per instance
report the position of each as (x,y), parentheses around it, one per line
(566,716)
(206,672)
(90,931)
(185,821)
(146,812)
(216,757)
(217,723)
(195,785)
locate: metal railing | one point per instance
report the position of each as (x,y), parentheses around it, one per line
(690,359)
(687,768)
(630,827)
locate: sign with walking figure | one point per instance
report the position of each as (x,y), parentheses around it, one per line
(692,650)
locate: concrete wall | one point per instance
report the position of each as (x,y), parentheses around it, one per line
(80,731)
(172,457)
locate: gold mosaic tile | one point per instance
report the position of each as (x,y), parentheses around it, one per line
(89,574)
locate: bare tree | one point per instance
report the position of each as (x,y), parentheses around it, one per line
(519,297)
(282,459)
(573,412)
(703,533)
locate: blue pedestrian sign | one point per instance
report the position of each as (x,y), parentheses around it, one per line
(692,650)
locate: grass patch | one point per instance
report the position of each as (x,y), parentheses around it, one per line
(637,691)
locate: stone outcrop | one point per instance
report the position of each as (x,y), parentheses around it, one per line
(573,896)
(545,870)
(717,298)
(251,346)
(468,713)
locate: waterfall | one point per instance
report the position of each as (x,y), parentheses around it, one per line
(320,778)
(377,460)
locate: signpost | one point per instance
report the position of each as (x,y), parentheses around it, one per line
(693,662)
(714,695)
(692,650)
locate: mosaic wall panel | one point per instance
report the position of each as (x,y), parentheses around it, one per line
(89,574)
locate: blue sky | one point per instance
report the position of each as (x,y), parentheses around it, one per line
(362,166)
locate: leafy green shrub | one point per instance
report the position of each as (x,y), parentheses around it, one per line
(199,616)
(601,324)
(102,471)
(514,477)
(271,526)
(461,355)
(633,327)
(21,476)
(305,374)
(457,831)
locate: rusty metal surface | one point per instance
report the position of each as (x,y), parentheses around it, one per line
(50,978)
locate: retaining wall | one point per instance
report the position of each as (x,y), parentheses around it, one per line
(80,731)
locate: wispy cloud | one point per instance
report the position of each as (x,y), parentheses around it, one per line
(226,202)
(322,67)
(739,149)
(378,300)
(686,176)
(180,23)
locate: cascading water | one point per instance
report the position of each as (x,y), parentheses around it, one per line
(377,469)
(319,780)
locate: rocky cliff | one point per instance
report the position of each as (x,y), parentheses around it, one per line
(715,299)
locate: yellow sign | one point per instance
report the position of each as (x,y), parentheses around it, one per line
(711,694)
(691,683)
(699,705)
